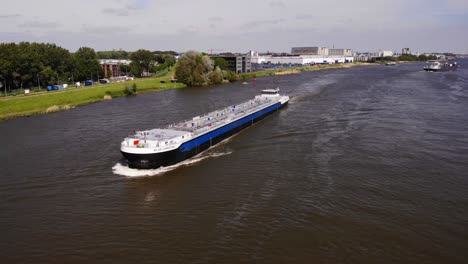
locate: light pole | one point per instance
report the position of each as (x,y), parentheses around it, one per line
(1,77)
(38,82)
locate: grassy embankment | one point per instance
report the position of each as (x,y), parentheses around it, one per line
(44,102)
(317,67)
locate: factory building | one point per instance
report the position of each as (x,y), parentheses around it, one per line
(340,52)
(301,60)
(237,63)
(322,51)
(385,53)
(111,67)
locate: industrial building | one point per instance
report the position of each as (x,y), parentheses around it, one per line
(111,67)
(385,53)
(367,56)
(322,51)
(340,52)
(302,59)
(237,63)
(301,56)
(304,56)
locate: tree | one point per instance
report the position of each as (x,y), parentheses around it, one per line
(113,54)
(135,69)
(408,57)
(21,64)
(86,64)
(8,62)
(167,58)
(216,76)
(48,76)
(145,59)
(194,69)
(221,63)
(230,76)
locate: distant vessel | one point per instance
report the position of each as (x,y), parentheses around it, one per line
(164,147)
(391,63)
(440,66)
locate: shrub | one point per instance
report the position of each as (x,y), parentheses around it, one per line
(230,76)
(194,69)
(130,90)
(216,77)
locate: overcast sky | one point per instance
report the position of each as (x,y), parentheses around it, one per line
(240,25)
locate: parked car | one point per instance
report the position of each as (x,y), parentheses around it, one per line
(54,87)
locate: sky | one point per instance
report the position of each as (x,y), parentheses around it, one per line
(240,25)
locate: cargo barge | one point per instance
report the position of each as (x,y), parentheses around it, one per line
(155,148)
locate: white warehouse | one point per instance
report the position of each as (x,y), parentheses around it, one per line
(302,59)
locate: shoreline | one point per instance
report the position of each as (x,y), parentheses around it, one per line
(297,70)
(48,102)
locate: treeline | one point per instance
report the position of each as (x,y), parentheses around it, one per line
(25,64)
(405,57)
(145,61)
(198,69)
(125,55)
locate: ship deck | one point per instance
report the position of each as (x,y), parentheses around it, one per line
(201,124)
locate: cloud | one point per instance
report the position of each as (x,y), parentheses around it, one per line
(259,23)
(9,16)
(458,4)
(116,11)
(277,4)
(188,29)
(262,24)
(110,30)
(304,16)
(39,24)
(139,4)
(215,19)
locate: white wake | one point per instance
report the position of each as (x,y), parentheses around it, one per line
(123,169)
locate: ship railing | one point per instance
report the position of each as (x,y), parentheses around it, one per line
(233,115)
(155,147)
(206,121)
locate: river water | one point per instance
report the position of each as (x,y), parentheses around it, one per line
(365,165)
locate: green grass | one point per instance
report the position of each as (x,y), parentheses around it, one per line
(271,72)
(38,103)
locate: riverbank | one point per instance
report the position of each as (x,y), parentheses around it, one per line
(46,102)
(317,67)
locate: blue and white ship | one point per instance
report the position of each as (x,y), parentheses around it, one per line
(440,66)
(150,149)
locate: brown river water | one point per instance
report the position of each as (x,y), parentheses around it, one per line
(365,165)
